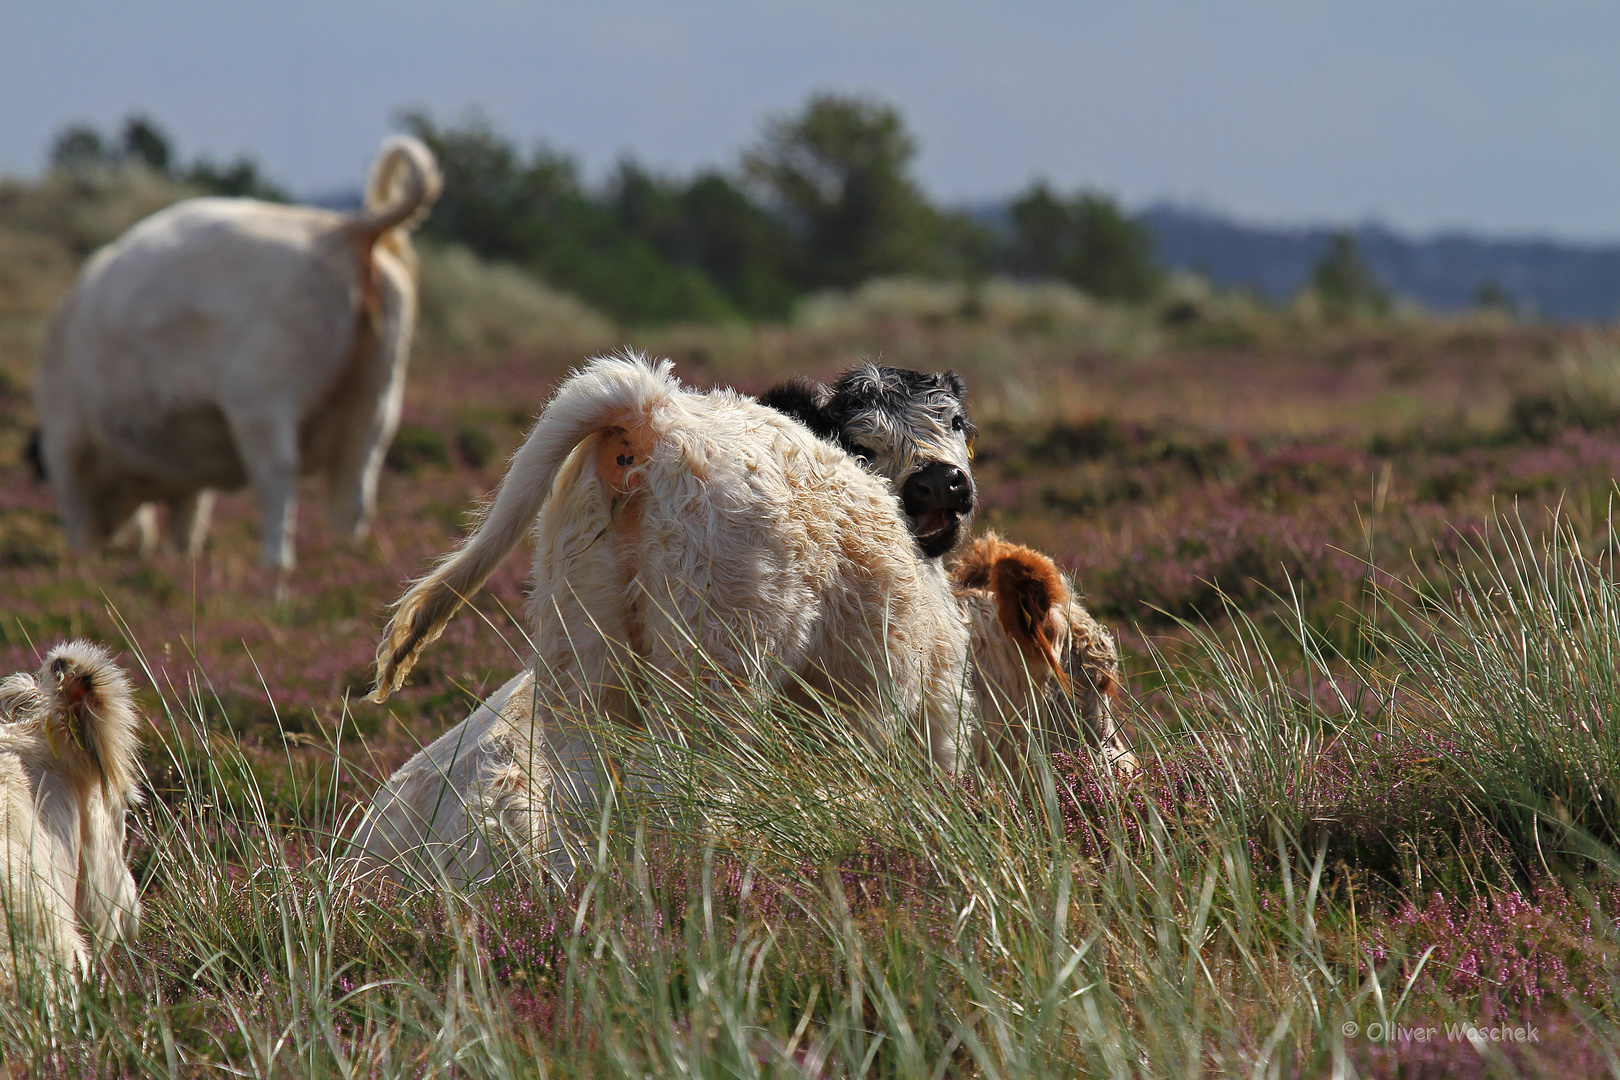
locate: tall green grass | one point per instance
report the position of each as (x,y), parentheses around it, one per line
(789,900)
(1518,672)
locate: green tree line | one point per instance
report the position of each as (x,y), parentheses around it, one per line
(81,148)
(824,198)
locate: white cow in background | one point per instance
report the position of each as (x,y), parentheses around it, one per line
(68,772)
(224,342)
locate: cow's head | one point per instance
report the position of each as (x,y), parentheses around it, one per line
(909,426)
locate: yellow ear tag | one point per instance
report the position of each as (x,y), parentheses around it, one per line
(76,727)
(53,739)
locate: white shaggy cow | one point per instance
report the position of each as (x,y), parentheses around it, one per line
(67,775)
(224,342)
(478,796)
(699,540)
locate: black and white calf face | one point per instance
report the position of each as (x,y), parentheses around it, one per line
(909,426)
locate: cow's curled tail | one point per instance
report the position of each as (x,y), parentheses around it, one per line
(608,392)
(402,186)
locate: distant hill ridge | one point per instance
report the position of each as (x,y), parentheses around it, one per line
(1555,279)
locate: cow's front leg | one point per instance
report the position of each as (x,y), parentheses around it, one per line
(269,450)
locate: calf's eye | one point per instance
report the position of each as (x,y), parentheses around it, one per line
(957,423)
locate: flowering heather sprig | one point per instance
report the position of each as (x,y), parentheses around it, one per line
(530,939)
(1098,811)
(1516,953)
(1384,808)
(1250,556)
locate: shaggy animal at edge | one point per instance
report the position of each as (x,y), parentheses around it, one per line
(223,342)
(686,538)
(67,775)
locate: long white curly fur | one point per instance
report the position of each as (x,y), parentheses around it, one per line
(68,773)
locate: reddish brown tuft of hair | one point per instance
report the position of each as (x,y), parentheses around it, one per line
(1029,592)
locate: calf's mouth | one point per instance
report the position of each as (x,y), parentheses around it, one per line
(938,500)
(937,531)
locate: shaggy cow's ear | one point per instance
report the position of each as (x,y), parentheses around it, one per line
(955,384)
(1028,590)
(806,401)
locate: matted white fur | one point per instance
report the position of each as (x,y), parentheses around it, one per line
(475,801)
(223,342)
(706,541)
(67,775)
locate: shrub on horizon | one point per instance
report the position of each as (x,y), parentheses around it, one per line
(1083,239)
(80,150)
(1344,283)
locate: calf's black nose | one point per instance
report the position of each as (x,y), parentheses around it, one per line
(940,486)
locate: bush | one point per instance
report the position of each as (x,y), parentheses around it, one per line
(1084,240)
(1585,394)
(1343,281)
(646,249)
(79,150)
(838,172)
(469,305)
(415,446)
(1514,669)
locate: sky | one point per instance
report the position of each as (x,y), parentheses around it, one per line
(1497,118)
